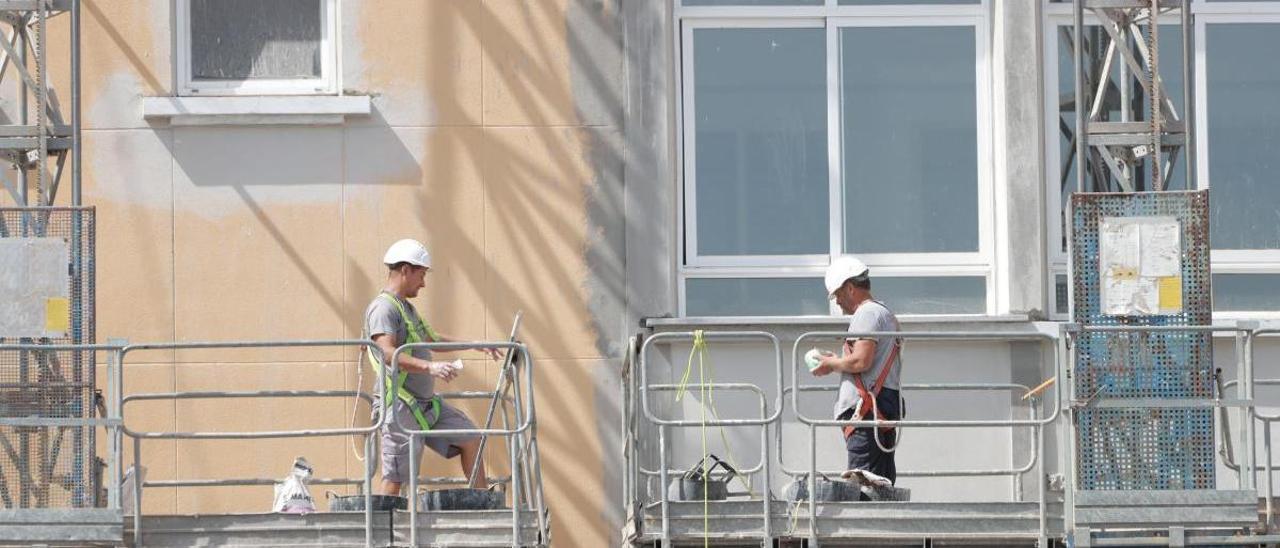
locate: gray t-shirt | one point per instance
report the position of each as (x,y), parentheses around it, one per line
(382,317)
(871,316)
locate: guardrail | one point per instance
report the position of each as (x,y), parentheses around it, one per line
(520,439)
(663,424)
(1034,423)
(137,436)
(370,432)
(1268,467)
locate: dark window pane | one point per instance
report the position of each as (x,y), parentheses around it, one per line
(255,39)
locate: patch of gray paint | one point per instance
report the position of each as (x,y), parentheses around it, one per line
(595,43)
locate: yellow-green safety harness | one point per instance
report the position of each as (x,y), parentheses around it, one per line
(419,331)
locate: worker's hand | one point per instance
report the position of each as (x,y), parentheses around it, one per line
(493,353)
(826,366)
(442,370)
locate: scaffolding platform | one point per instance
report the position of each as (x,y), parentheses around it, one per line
(741,523)
(339,529)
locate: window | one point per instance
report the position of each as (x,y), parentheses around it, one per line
(256,47)
(1237,139)
(811,130)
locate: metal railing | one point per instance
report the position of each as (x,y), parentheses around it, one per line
(370,432)
(636,407)
(1228,458)
(1033,402)
(521,440)
(137,436)
(663,424)
(1036,424)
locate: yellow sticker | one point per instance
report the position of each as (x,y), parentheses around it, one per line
(1170,294)
(57,315)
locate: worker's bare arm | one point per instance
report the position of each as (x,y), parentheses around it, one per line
(409,363)
(857,358)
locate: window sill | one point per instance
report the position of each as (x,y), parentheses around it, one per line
(910,322)
(310,110)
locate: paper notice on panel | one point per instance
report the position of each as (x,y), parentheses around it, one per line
(34,287)
(1117,296)
(1160,248)
(1140,263)
(1119,242)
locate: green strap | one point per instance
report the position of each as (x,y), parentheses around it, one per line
(416,330)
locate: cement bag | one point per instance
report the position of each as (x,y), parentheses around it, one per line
(292,495)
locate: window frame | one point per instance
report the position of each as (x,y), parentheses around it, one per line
(832,18)
(1222,261)
(326,84)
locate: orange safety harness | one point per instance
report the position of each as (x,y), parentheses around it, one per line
(866,399)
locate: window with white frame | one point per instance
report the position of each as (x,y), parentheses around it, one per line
(256,47)
(812,129)
(1237,129)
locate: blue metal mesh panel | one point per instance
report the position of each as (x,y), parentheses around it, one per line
(1135,448)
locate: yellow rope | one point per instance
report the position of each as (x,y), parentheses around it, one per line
(707,394)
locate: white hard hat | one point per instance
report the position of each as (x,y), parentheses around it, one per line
(407,251)
(841,270)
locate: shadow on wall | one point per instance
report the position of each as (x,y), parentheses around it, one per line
(524,197)
(548,155)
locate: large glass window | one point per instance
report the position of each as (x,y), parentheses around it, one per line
(840,130)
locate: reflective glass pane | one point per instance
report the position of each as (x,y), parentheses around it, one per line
(904,2)
(1246,292)
(932,295)
(1243,135)
(909,116)
(252,39)
(753,2)
(755,297)
(760,143)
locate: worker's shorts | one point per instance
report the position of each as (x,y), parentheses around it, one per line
(395,438)
(864,452)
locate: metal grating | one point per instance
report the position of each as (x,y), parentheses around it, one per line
(44,466)
(1143,448)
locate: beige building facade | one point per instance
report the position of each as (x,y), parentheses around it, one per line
(489,131)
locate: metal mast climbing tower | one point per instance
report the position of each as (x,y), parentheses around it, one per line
(1128,125)
(50,476)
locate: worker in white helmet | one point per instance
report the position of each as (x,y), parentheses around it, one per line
(391,321)
(869,369)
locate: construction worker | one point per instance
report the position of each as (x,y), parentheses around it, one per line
(391,321)
(869,369)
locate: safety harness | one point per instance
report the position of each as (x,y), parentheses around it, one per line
(866,398)
(418,331)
